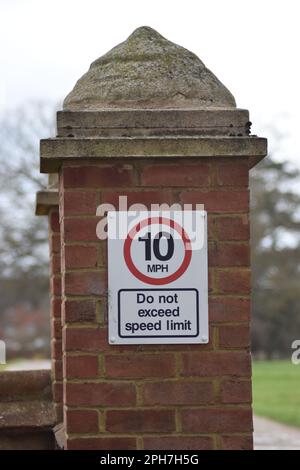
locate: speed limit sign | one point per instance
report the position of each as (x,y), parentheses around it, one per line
(157,277)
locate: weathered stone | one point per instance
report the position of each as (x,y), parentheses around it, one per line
(27,440)
(153,122)
(60,437)
(148,71)
(53,181)
(27,414)
(55,151)
(26,410)
(45,200)
(25,385)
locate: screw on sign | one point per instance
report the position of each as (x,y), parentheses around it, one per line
(157,278)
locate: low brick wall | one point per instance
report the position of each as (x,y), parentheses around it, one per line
(27,414)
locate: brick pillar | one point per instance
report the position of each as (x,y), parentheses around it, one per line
(198,151)
(47,204)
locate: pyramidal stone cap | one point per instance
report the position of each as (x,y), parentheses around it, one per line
(146,72)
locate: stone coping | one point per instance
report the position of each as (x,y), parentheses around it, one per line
(230,122)
(45,200)
(24,385)
(58,150)
(26,400)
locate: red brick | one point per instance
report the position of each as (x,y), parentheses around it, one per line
(92,340)
(80,229)
(232,228)
(54,240)
(56,349)
(100,394)
(81,366)
(211,226)
(234,336)
(236,391)
(206,364)
(103,312)
(79,202)
(55,264)
(146,365)
(217,420)
(57,390)
(54,220)
(102,244)
(85,339)
(233,174)
(56,308)
(97,176)
(189,347)
(58,410)
(79,311)
(178,443)
(234,281)
(56,329)
(102,443)
(211,280)
(228,254)
(237,442)
(176,175)
(57,370)
(85,283)
(55,285)
(140,421)
(82,421)
(178,393)
(81,257)
(218,201)
(226,309)
(141,197)
(167,348)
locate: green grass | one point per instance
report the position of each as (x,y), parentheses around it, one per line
(276,391)
(9,364)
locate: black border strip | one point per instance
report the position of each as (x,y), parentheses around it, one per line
(157,336)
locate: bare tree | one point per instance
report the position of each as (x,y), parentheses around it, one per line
(23,236)
(24,255)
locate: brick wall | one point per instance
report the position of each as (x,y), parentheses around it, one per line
(155,396)
(55,311)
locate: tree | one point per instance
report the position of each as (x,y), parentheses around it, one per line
(24,255)
(275,240)
(23,247)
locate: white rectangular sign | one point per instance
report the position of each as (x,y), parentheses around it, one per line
(157,277)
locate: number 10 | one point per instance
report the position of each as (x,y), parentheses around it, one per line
(156,246)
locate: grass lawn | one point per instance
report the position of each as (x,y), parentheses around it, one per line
(26,364)
(276,391)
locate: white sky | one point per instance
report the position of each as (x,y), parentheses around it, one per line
(252,46)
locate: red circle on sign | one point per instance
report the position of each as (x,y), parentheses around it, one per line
(162,280)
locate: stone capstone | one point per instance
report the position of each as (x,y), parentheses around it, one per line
(148,71)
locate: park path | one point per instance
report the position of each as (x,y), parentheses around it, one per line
(270,435)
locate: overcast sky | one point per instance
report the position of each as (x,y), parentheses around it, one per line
(252,47)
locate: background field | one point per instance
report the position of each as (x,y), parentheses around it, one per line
(276,391)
